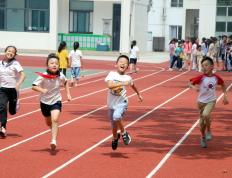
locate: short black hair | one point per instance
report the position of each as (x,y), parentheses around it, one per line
(207,58)
(123,56)
(52,55)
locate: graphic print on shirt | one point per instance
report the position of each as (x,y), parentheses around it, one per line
(117,91)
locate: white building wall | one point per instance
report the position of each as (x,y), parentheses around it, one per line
(207,16)
(32,41)
(102,10)
(63,16)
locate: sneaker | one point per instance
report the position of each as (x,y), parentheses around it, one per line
(126,138)
(53,145)
(115,143)
(3,132)
(203,143)
(208,136)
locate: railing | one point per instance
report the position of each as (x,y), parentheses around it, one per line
(86,41)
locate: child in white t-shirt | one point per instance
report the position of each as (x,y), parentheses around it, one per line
(11,78)
(48,84)
(117,100)
(207,83)
(134,55)
(75,58)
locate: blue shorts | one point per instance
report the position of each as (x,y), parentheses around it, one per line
(46,109)
(117,113)
(75,72)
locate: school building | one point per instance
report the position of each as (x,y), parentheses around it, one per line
(187,18)
(41,24)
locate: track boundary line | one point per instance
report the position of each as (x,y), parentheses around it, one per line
(173,149)
(78,118)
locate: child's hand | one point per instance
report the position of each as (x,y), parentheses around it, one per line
(140,98)
(225,100)
(69,98)
(126,83)
(44,91)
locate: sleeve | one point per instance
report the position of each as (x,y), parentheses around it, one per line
(18,67)
(109,77)
(70,54)
(38,81)
(196,80)
(81,55)
(220,81)
(63,78)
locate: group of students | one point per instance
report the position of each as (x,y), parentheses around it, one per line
(49,82)
(188,54)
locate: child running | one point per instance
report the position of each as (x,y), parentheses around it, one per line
(63,57)
(11,78)
(134,55)
(75,59)
(117,100)
(48,83)
(207,96)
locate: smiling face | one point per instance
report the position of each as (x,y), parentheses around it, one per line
(207,67)
(53,65)
(10,53)
(122,65)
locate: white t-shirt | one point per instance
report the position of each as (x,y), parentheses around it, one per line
(75,58)
(207,84)
(9,73)
(53,86)
(117,95)
(133,52)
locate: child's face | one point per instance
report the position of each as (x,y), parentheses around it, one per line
(53,65)
(10,53)
(207,67)
(122,65)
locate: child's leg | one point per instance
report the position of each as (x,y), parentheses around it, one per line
(55,114)
(3,107)
(120,126)
(48,121)
(13,99)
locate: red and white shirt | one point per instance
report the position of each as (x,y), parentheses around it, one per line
(207,87)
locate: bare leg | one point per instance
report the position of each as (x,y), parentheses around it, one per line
(54,119)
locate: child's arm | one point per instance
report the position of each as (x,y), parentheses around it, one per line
(136,91)
(225,99)
(67,90)
(39,89)
(20,81)
(191,85)
(112,84)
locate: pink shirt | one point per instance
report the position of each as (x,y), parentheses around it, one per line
(207,84)
(187,48)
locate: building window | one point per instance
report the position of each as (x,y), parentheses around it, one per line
(81,21)
(229,27)
(220,26)
(221,11)
(176,3)
(224,2)
(176,32)
(37,15)
(229,11)
(81,17)
(2,14)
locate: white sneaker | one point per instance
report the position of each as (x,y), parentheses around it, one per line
(3,132)
(53,145)
(17,105)
(208,136)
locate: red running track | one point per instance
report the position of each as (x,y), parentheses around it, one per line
(156,125)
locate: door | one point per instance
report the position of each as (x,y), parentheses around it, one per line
(116,27)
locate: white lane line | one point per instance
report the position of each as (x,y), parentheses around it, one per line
(41,133)
(105,139)
(98,91)
(168,155)
(32,96)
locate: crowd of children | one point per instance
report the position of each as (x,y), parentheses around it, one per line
(190,53)
(186,55)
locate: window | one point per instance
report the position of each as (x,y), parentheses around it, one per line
(224,2)
(176,3)
(221,11)
(81,17)
(229,27)
(2,14)
(220,26)
(81,21)
(176,32)
(229,11)
(37,15)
